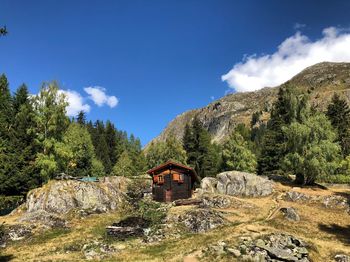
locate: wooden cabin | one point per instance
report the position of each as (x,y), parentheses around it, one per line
(172,181)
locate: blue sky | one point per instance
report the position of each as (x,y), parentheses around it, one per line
(148,61)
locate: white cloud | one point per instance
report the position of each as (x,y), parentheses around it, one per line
(298,26)
(99,96)
(76,102)
(292,56)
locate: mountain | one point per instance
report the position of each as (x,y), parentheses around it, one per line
(221,116)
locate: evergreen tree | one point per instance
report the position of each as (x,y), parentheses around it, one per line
(124,166)
(81,118)
(201,154)
(290,106)
(111,142)
(236,154)
(338,113)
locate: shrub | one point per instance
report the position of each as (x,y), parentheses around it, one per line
(9,203)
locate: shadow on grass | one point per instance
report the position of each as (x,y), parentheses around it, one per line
(341,232)
(5,258)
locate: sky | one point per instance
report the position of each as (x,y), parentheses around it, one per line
(142,63)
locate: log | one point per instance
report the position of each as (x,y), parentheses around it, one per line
(185,202)
(123,232)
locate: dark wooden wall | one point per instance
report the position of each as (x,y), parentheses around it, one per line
(178,190)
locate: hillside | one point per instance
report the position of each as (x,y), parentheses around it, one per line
(224,227)
(221,116)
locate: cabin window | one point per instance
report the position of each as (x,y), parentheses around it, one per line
(176,177)
(181,178)
(160,180)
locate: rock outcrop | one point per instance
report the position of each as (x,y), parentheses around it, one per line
(327,201)
(273,247)
(208,184)
(237,183)
(200,220)
(60,197)
(49,204)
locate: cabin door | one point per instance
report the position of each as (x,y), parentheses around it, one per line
(168,195)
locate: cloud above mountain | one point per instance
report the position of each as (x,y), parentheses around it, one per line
(292,56)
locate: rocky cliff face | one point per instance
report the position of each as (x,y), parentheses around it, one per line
(221,116)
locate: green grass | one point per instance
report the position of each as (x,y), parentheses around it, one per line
(47,236)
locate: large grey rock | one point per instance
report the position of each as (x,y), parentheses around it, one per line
(200,220)
(208,184)
(60,197)
(237,183)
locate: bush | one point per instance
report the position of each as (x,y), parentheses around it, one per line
(9,203)
(336,179)
(152,211)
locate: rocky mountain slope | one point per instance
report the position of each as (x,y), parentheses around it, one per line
(221,116)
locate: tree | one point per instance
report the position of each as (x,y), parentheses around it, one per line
(110,134)
(201,154)
(236,154)
(76,151)
(124,166)
(97,168)
(338,112)
(81,118)
(161,152)
(290,106)
(312,151)
(50,124)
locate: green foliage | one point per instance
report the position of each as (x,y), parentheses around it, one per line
(338,112)
(124,166)
(50,124)
(312,153)
(236,154)
(8,203)
(202,155)
(152,211)
(76,151)
(290,106)
(97,168)
(160,152)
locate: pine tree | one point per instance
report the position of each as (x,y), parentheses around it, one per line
(111,142)
(81,118)
(290,106)
(338,113)
(201,154)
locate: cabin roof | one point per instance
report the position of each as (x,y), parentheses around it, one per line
(171,164)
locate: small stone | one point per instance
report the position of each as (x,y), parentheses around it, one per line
(260,243)
(234,252)
(341,258)
(290,213)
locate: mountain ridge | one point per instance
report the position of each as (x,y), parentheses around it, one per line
(221,116)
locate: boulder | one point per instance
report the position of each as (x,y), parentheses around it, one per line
(290,213)
(208,184)
(60,197)
(237,183)
(200,220)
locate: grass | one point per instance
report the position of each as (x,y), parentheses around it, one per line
(324,229)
